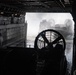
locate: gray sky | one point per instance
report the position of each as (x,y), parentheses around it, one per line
(34,19)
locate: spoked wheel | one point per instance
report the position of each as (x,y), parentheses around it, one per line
(49,38)
(45,43)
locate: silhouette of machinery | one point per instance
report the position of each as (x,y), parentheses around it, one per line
(50,46)
(49,49)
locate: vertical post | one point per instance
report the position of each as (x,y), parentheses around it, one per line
(1,40)
(25,33)
(12,19)
(74,42)
(44,40)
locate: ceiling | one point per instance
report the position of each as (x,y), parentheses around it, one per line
(22,6)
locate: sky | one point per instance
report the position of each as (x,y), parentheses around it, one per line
(34,19)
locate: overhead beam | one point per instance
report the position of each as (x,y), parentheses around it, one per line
(34,2)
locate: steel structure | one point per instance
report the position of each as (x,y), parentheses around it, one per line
(22,6)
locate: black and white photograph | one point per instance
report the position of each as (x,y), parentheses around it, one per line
(37,37)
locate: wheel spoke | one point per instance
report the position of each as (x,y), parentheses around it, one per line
(56,40)
(45,39)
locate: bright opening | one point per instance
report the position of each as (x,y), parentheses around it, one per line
(37,22)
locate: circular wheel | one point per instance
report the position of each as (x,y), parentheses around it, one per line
(49,38)
(50,46)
